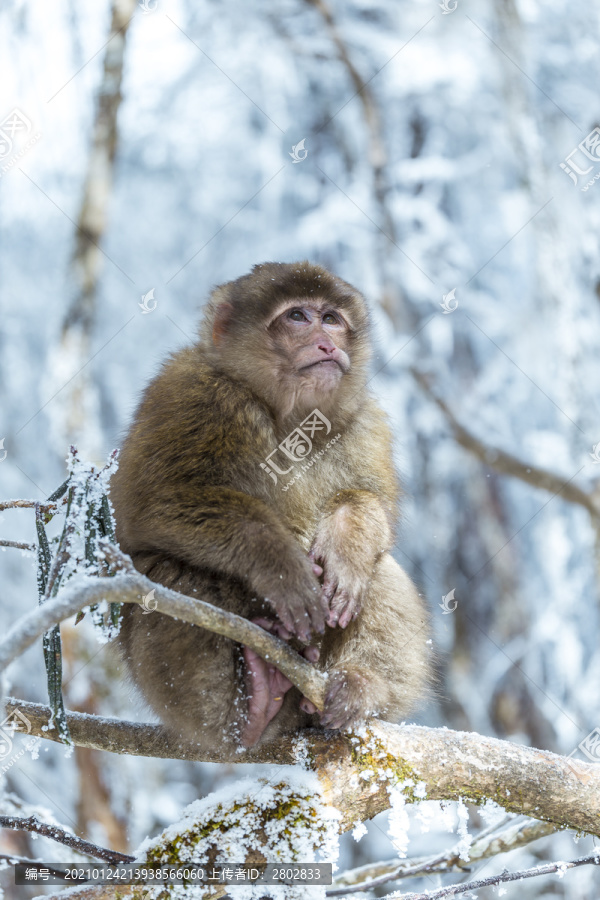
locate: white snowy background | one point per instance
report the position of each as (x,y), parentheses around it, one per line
(477,109)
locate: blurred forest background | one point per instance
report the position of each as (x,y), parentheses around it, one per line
(160,160)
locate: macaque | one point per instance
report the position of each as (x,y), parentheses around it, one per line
(257,475)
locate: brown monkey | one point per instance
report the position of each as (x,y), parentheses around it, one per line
(258,476)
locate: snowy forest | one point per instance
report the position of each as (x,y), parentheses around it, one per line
(433,153)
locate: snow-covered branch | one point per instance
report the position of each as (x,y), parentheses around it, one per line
(490,842)
(357,770)
(130,587)
(35,825)
(454,890)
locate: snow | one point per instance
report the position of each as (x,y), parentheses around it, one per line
(474,149)
(249,809)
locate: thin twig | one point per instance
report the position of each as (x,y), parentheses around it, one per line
(17,545)
(33,824)
(27,504)
(454,889)
(490,842)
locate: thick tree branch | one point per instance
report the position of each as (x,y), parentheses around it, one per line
(131,587)
(355,773)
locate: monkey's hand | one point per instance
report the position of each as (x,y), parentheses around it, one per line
(348,542)
(346,574)
(296,596)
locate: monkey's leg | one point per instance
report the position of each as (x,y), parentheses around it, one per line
(266,685)
(202,685)
(379,664)
(193,679)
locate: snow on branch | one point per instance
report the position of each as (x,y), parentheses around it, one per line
(359,769)
(454,889)
(129,586)
(490,842)
(54,833)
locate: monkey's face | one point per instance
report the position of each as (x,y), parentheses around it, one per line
(295,334)
(310,342)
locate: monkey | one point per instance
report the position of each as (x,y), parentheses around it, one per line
(258,476)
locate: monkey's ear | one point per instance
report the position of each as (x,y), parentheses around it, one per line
(221,322)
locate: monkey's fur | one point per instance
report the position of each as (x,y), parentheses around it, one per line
(198,514)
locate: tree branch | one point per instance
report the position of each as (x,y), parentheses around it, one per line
(490,842)
(454,889)
(28,504)
(132,587)
(506,463)
(57,834)
(17,545)
(450,765)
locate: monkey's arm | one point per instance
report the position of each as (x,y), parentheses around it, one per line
(352,534)
(357,524)
(230,532)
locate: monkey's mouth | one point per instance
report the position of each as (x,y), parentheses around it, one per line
(322,362)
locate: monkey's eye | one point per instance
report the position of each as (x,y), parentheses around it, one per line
(297,315)
(330,319)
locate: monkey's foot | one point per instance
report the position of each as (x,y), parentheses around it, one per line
(345,700)
(266,685)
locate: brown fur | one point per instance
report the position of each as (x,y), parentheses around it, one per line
(198,513)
